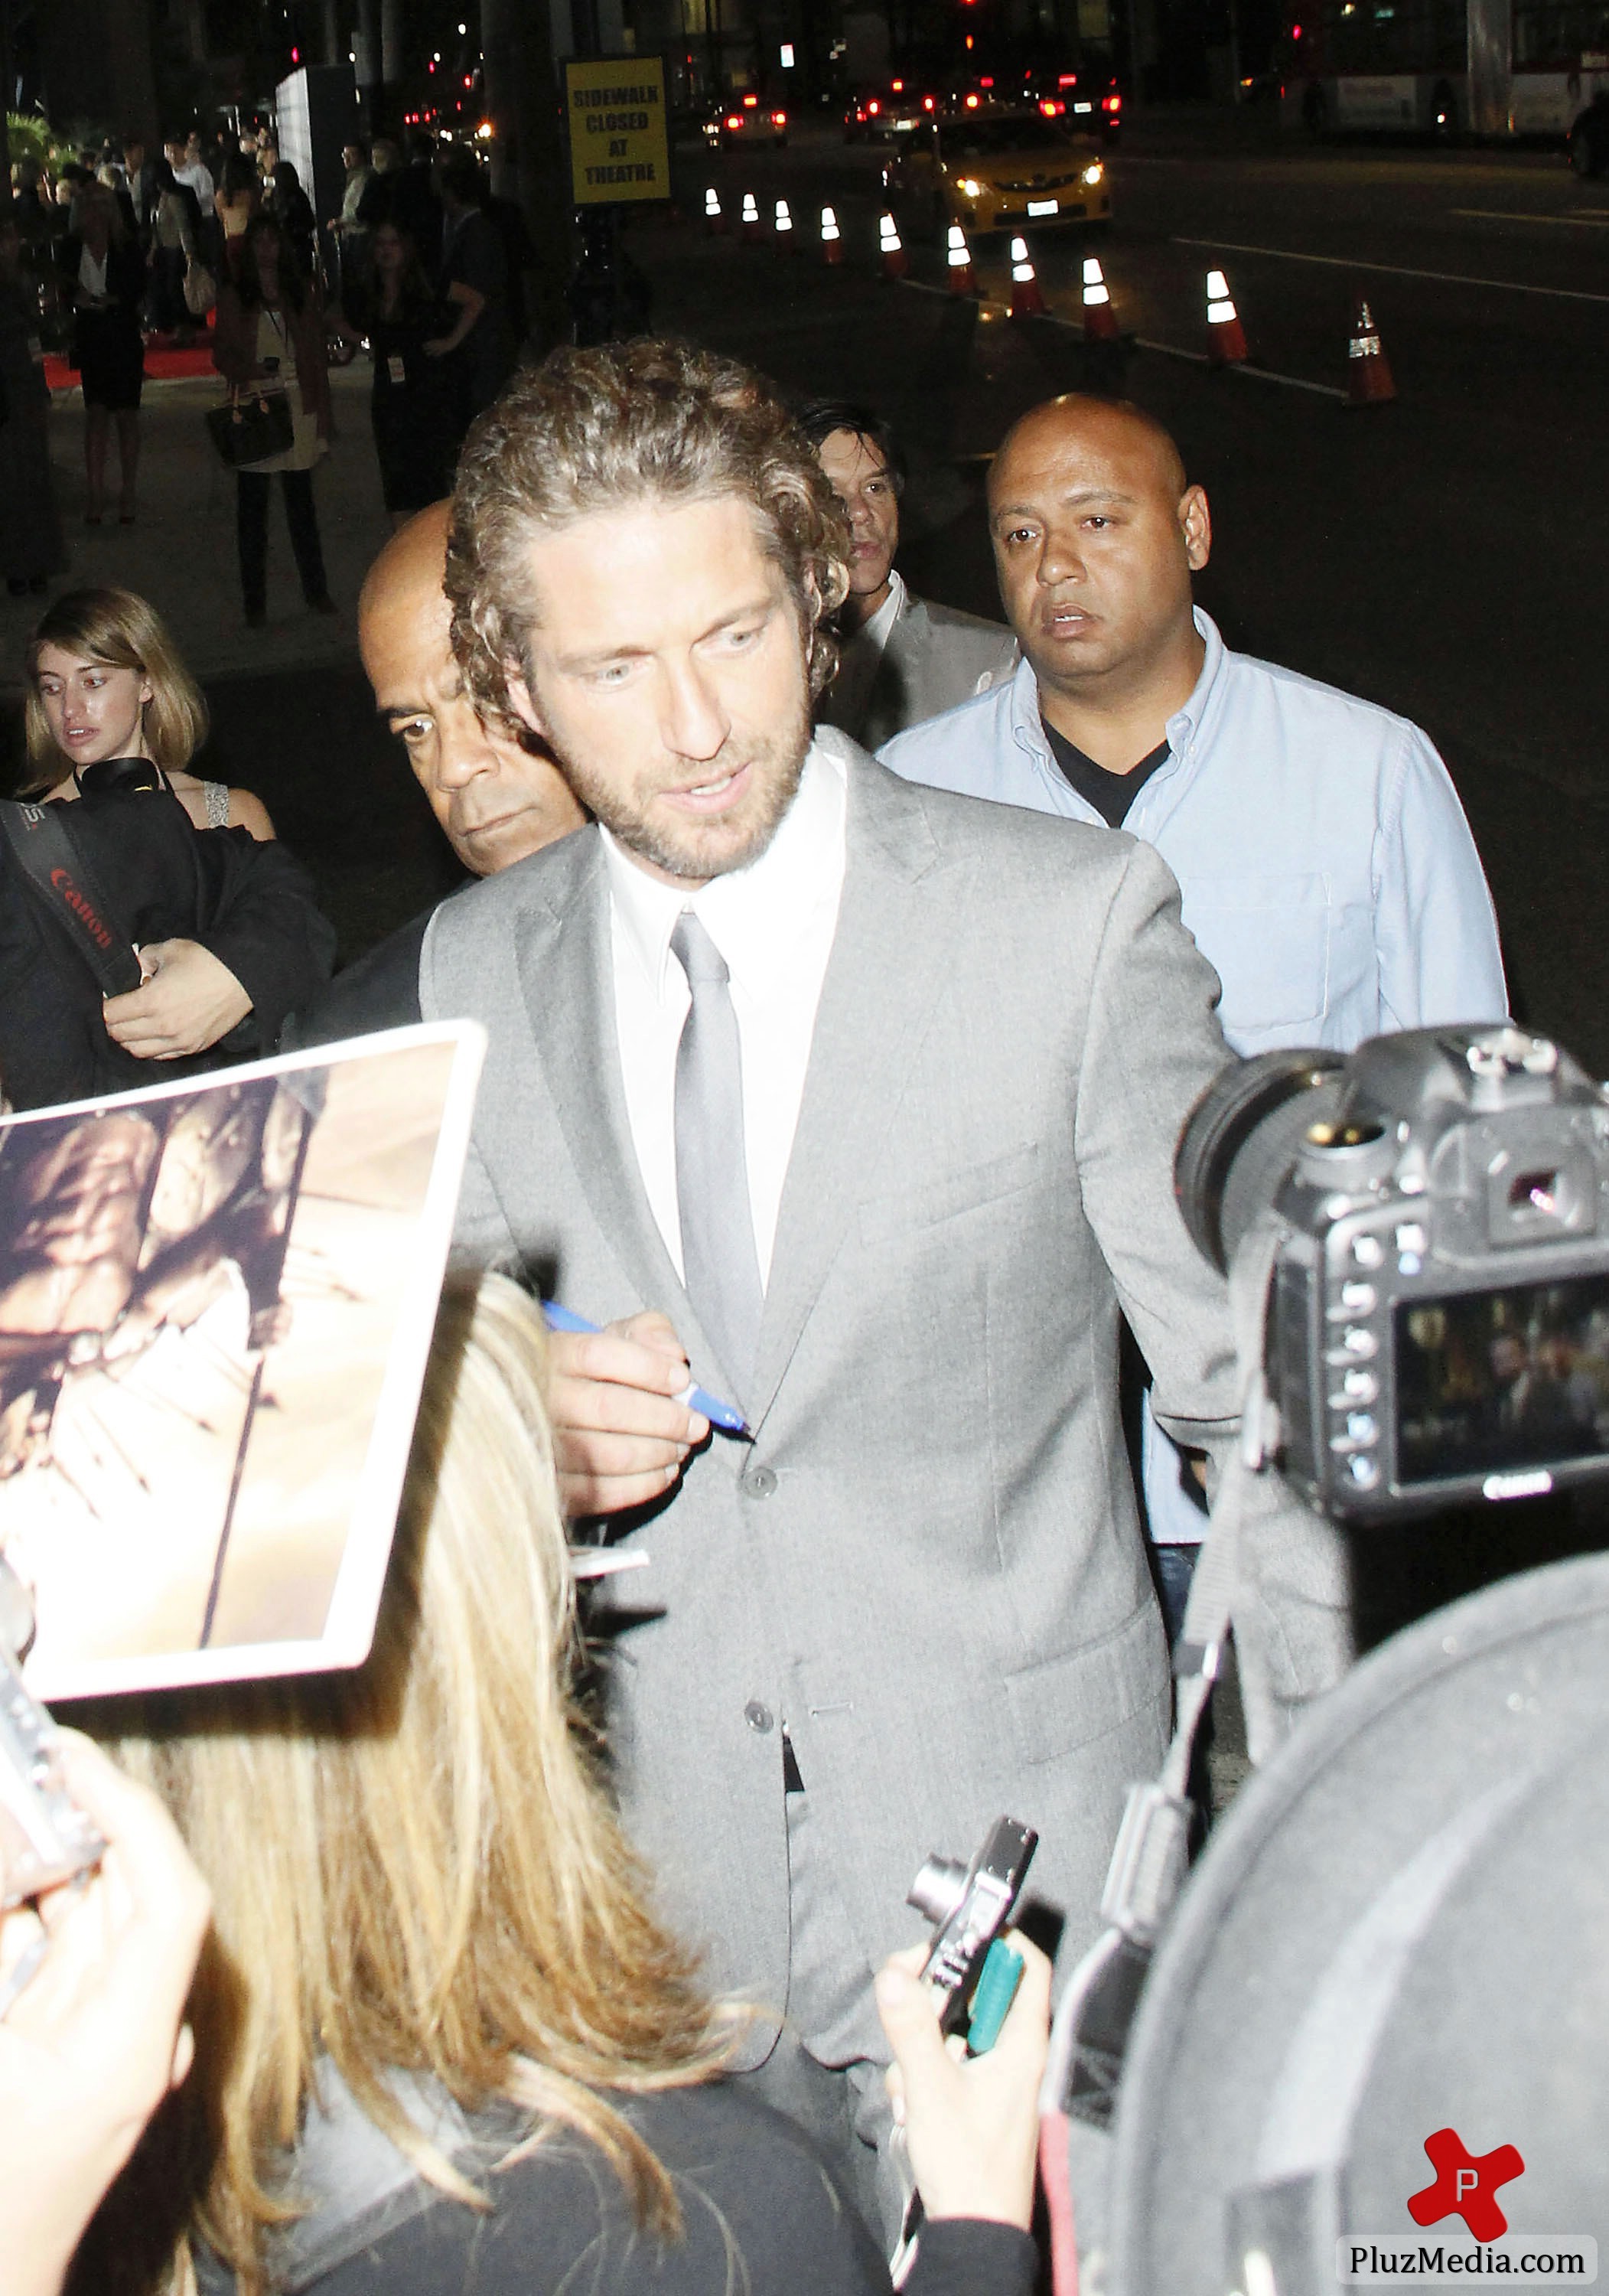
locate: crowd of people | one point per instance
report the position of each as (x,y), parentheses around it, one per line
(845,1086)
(216,243)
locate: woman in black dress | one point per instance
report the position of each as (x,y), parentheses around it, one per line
(104,282)
(412,405)
(292,209)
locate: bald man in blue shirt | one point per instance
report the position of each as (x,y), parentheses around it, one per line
(1326,870)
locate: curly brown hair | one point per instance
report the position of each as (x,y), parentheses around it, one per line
(590,431)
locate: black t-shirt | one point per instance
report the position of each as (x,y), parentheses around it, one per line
(761,2211)
(1111,794)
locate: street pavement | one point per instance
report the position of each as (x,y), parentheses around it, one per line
(1443,554)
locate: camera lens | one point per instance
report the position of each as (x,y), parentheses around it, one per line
(1240,1139)
(938,1889)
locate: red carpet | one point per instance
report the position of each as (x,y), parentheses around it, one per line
(163,364)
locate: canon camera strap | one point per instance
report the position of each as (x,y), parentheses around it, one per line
(45,844)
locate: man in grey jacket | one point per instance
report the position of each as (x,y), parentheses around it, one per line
(821,1089)
(901,659)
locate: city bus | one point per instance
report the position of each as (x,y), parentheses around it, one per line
(1488,67)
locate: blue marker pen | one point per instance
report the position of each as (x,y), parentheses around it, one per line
(719,1414)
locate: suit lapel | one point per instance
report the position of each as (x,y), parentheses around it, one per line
(567,976)
(898,668)
(891,959)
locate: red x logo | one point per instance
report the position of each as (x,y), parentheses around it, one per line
(1467,2184)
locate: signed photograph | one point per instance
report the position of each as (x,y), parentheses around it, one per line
(216,1305)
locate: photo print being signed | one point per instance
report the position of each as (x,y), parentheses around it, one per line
(216,1302)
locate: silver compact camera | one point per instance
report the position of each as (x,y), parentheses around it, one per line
(968,1906)
(1437,1206)
(44,1837)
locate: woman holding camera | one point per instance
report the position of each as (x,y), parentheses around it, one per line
(106,681)
(269,331)
(440,2037)
(228,932)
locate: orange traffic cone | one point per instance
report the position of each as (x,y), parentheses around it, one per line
(896,261)
(832,245)
(751,216)
(1101,320)
(1027,298)
(785,238)
(960,263)
(1369,381)
(714,220)
(1225,337)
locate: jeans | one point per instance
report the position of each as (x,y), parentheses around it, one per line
(1173,1568)
(251,530)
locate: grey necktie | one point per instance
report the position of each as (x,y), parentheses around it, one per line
(719,1266)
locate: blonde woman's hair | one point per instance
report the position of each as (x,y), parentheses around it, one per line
(125,631)
(414,1864)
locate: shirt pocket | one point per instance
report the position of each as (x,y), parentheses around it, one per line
(1268,938)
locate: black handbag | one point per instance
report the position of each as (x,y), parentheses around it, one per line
(251,430)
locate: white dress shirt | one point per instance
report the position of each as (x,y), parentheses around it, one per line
(199,176)
(773,923)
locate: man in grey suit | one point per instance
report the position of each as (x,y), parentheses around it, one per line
(856,1102)
(902,660)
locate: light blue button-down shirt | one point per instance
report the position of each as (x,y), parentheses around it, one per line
(1326,870)
(1324,861)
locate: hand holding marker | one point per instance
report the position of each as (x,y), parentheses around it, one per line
(723,1415)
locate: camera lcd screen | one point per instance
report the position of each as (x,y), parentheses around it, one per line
(1496,1380)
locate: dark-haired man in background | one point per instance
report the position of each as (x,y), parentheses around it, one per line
(901,659)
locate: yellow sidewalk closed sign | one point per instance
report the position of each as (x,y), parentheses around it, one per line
(618,146)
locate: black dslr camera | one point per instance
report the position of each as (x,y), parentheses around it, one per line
(1437,1207)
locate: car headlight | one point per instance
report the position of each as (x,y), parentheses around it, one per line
(970,188)
(1093,175)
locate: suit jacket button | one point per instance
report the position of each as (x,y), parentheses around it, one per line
(758,1718)
(759,1482)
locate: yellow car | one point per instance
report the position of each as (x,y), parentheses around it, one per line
(992,170)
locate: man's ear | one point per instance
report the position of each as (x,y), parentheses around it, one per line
(1196,525)
(522,703)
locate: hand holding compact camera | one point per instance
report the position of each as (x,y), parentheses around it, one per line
(92,2044)
(976,1976)
(45,1838)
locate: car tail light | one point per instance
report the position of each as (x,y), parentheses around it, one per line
(779,120)
(898,85)
(1049,107)
(985,83)
(972,103)
(1111,103)
(927,103)
(874,107)
(1066,79)
(734,120)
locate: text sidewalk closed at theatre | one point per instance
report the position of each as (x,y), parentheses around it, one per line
(619,149)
